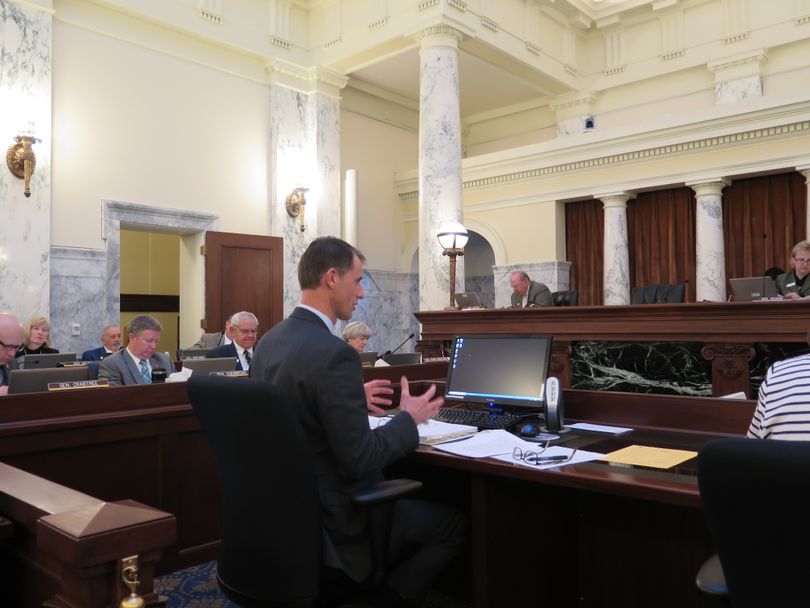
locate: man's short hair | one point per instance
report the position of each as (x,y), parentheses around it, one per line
(322,254)
(144,323)
(522,275)
(106,327)
(800,246)
(356,329)
(238,317)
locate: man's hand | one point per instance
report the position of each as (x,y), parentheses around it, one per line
(375,389)
(421,407)
(792,295)
(3,390)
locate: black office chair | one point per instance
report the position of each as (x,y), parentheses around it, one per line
(565,298)
(651,293)
(756,496)
(637,295)
(676,294)
(271,547)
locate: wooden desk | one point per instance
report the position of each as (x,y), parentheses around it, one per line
(727,330)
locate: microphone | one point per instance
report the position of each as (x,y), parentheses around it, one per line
(391,352)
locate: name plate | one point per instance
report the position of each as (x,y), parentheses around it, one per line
(69,386)
(237,373)
(72,364)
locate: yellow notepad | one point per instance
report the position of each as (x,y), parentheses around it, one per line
(646,456)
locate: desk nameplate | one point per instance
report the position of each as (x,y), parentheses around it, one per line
(78,384)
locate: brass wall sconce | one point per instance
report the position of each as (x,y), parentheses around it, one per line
(452,237)
(21,159)
(295,204)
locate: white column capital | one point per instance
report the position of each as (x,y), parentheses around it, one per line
(615,199)
(804,170)
(438,36)
(714,186)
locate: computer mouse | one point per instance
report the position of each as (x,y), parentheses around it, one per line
(534,432)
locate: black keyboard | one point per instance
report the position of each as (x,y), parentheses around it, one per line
(480,418)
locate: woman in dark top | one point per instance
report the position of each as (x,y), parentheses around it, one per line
(36,338)
(794,284)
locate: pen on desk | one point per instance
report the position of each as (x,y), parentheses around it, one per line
(549,459)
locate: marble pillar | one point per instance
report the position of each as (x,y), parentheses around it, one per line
(616,253)
(350,207)
(710,256)
(25,108)
(439,161)
(805,170)
(303,151)
(554,274)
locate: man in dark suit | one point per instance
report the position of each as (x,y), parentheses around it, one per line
(304,357)
(134,364)
(527,293)
(244,330)
(110,344)
(11,339)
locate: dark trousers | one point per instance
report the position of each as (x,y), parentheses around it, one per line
(425,537)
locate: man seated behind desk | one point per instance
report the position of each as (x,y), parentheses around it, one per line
(306,359)
(244,329)
(214,340)
(527,293)
(134,364)
(110,344)
(794,284)
(11,339)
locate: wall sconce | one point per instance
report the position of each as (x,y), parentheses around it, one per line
(296,203)
(21,159)
(452,237)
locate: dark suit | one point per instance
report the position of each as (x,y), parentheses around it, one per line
(229,350)
(96,354)
(324,374)
(119,369)
(4,375)
(539,295)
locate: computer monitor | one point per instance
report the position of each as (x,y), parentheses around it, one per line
(207,366)
(37,380)
(403,358)
(747,289)
(49,360)
(368,357)
(503,370)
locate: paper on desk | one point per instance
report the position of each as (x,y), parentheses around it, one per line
(646,456)
(432,432)
(555,450)
(487,443)
(600,428)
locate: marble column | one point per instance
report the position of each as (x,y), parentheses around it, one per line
(710,256)
(805,170)
(350,207)
(439,161)
(26,57)
(616,254)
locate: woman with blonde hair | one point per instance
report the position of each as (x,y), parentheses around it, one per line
(36,338)
(357,334)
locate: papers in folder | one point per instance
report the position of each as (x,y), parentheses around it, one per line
(433,432)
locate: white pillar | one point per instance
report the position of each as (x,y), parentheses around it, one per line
(805,170)
(616,284)
(439,161)
(350,207)
(710,252)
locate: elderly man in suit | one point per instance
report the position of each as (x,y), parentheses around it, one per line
(11,338)
(527,293)
(110,344)
(134,364)
(244,331)
(303,356)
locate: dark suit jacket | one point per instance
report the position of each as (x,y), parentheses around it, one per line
(324,374)
(539,295)
(119,369)
(229,350)
(96,354)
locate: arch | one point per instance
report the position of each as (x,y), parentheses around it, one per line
(485,230)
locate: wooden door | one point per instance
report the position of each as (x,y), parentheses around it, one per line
(243,272)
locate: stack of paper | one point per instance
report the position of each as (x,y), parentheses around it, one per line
(434,432)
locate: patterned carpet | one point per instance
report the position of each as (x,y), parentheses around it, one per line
(196,587)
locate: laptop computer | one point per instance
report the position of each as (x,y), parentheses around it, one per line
(207,366)
(403,358)
(368,358)
(190,353)
(49,360)
(37,380)
(748,289)
(468,299)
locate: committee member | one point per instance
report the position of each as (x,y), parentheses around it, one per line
(527,293)
(36,338)
(134,364)
(783,402)
(356,334)
(214,340)
(304,358)
(11,337)
(794,284)
(110,344)
(244,327)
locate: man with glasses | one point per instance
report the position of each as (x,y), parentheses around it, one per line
(794,284)
(244,331)
(11,337)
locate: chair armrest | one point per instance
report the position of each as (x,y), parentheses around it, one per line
(385,491)
(710,578)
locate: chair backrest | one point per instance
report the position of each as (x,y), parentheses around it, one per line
(676,294)
(271,530)
(565,298)
(650,293)
(637,295)
(756,496)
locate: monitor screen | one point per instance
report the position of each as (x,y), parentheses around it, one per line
(499,369)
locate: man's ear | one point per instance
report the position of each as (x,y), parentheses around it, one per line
(330,277)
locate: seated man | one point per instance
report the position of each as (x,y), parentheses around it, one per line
(323,373)
(110,344)
(794,284)
(134,364)
(11,338)
(527,293)
(214,340)
(244,330)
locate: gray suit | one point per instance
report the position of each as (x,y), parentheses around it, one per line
(539,295)
(119,369)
